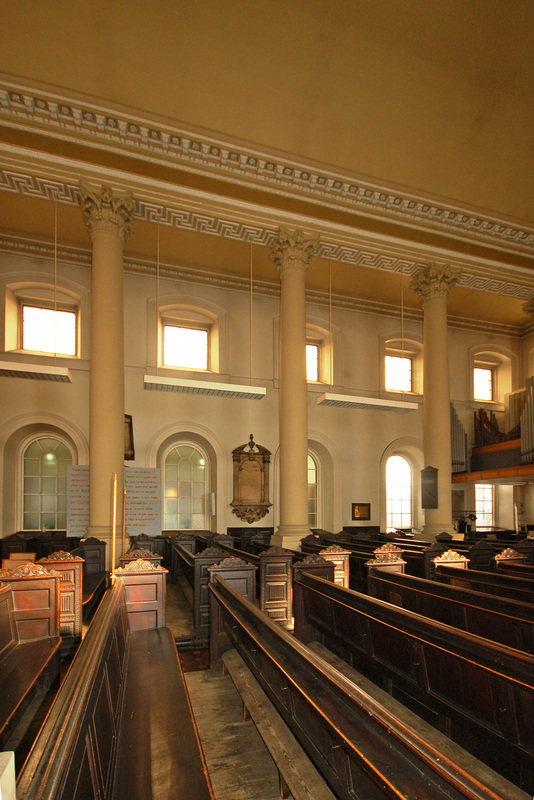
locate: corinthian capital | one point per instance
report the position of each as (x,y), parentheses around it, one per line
(293,250)
(436,280)
(105,211)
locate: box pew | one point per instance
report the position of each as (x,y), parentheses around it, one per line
(121,725)
(364,747)
(95,574)
(479,693)
(498,619)
(70,567)
(29,646)
(194,567)
(500,584)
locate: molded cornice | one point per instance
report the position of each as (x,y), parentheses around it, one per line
(123,131)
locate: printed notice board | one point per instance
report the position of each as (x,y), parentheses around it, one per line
(143,500)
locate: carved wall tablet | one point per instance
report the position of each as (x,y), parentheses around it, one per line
(251,481)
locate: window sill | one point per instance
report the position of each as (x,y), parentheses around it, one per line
(413,397)
(490,405)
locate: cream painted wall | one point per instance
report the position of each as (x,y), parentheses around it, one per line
(356,440)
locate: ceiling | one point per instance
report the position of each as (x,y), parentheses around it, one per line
(400,133)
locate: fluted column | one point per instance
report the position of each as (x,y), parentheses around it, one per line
(433,286)
(292,254)
(107,216)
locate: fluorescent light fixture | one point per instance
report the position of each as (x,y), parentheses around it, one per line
(367,403)
(35,372)
(161,384)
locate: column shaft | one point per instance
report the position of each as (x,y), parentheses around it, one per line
(292,254)
(433,286)
(107,218)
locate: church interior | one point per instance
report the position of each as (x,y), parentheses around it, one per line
(267,283)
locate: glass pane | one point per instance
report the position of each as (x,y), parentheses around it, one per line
(62,503)
(184,521)
(482,384)
(171,505)
(31,485)
(198,473)
(312,362)
(197,522)
(33,451)
(48,521)
(31,466)
(31,522)
(184,505)
(61,521)
(47,331)
(171,522)
(31,502)
(185,470)
(48,503)
(171,472)
(186,348)
(49,464)
(48,486)
(398,374)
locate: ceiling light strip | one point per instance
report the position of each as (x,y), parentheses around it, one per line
(158,383)
(36,372)
(365,403)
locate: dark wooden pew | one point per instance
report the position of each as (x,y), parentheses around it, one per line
(364,748)
(95,575)
(493,583)
(29,646)
(519,570)
(479,693)
(498,619)
(121,726)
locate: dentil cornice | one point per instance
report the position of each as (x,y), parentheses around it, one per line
(122,131)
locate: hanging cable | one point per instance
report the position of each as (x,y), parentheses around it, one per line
(250,310)
(55,279)
(159,334)
(331,348)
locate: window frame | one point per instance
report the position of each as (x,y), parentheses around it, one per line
(207,481)
(478,502)
(39,295)
(407,346)
(24,446)
(57,307)
(412,493)
(193,327)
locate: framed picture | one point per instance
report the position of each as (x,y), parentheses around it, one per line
(361,511)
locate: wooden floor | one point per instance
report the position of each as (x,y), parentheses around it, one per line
(224,734)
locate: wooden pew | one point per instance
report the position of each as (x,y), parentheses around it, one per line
(29,646)
(70,567)
(365,748)
(95,574)
(498,619)
(479,693)
(194,567)
(498,584)
(121,725)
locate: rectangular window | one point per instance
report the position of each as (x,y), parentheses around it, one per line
(398,376)
(484,505)
(185,348)
(45,330)
(482,383)
(312,363)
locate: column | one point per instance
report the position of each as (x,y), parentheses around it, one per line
(107,216)
(292,254)
(433,286)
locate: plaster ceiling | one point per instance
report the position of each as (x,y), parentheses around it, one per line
(432,98)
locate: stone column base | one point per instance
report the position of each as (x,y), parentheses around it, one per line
(431,530)
(289,536)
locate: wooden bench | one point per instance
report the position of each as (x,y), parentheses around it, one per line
(498,584)
(95,574)
(29,647)
(498,619)
(121,725)
(363,749)
(479,693)
(70,567)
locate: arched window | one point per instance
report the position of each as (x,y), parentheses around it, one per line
(44,501)
(313,494)
(398,493)
(186,488)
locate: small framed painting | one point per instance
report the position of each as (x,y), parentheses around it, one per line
(361,511)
